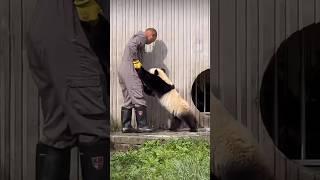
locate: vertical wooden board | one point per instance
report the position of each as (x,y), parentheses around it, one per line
(269,16)
(269,149)
(306,17)
(213,74)
(305,174)
(187,45)
(267,23)
(197,41)
(241,61)
(114,22)
(266,37)
(292,20)
(252,64)
(162,58)
(280,22)
(31,104)
(4,89)
(203,47)
(272,31)
(215,49)
(280,166)
(16,90)
(227,55)
(317,11)
(306,13)
(292,25)
(292,170)
(279,36)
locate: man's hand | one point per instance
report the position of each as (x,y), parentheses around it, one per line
(137,64)
(88,10)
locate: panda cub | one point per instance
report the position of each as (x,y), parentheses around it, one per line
(158,84)
(237,155)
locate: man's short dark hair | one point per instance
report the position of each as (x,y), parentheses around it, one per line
(153,30)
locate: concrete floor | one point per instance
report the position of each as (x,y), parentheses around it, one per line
(123,141)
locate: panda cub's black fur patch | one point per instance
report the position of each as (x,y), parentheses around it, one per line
(156,86)
(153,84)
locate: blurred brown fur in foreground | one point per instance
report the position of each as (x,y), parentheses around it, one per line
(237,155)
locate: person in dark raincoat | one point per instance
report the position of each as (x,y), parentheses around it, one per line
(130,83)
(68,55)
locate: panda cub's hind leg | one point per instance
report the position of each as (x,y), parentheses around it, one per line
(175,123)
(190,119)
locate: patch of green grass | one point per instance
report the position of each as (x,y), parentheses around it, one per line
(168,160)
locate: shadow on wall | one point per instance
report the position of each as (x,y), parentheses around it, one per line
(154,56)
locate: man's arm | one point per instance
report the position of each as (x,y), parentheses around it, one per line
(134,43)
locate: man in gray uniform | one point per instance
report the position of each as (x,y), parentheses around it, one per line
(68,57)
(131,85)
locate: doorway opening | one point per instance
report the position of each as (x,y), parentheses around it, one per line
(201,91)
(290,96)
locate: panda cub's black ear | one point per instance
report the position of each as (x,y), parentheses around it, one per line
(163,70)
(156,72)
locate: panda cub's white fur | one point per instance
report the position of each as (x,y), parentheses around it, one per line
(161,74)
(172,100)
(175,104)
(237,155)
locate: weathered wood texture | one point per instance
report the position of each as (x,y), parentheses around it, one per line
(245,36)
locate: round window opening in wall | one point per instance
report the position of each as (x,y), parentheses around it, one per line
(290,96)
(201,91)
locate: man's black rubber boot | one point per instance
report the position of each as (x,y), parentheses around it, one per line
(52,163)
(141,118)
(95,160)
(126,115)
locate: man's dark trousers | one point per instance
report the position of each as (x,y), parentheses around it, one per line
(72,84)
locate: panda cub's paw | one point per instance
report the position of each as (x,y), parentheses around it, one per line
(175,124)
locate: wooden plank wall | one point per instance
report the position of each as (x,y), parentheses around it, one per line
(4,83)
(19,101)
(245,36)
